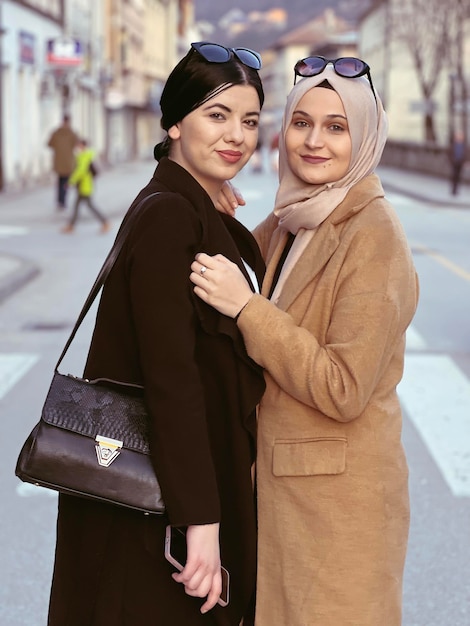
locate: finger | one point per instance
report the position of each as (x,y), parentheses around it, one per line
(204,259)
(201,293)
(198,268)
(232,195)
(198,585)
(238,197)
(201,270)
(220,258)
(214,594)
(199,281)
(229,196)
(225,205)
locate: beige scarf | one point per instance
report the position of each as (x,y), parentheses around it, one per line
(302,207)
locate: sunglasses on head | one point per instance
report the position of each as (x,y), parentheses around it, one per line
(215,53)
(347,67)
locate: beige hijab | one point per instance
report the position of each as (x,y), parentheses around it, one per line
(302,207)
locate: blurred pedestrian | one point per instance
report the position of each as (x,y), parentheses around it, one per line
(457,155)
(82,177)
(200,387)
(274,153)
(63,142)
(329,330)
(256,161)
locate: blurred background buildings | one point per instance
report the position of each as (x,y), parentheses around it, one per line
(105,62)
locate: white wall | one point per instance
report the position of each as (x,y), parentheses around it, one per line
(27,118)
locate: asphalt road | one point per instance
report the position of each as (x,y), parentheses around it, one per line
(435,392)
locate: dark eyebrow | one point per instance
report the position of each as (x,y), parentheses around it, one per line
(224,107)
(331,115)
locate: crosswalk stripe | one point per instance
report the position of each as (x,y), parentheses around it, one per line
(436,396)
(8,231)
(434,392)
(12,368)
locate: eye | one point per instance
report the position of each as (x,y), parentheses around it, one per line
(252,122)
(337,128)
(216,115)
(300,123)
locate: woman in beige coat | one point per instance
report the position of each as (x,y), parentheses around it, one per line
(329,330)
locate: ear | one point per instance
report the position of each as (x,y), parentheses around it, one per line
(174,132)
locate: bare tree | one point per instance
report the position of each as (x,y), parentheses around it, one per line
(459,90)
(423,26)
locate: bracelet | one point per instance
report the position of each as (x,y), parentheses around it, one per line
(239,312)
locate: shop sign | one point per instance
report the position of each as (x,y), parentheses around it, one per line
(26,43)
(63,52)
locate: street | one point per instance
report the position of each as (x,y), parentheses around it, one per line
(435,392)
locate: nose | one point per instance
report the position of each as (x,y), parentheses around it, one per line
(314,139)
(235,132)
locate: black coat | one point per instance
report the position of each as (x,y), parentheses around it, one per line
(201,390)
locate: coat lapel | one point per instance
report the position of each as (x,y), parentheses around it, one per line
(323,245)
(313,259)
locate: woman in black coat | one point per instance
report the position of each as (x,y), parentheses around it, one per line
(201,388)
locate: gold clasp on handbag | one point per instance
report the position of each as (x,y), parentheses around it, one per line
(107,450)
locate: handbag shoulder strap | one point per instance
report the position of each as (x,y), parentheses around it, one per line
(103,274)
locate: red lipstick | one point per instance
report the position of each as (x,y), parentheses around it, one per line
(231,156)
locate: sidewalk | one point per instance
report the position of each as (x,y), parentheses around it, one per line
(424,187)
(35,207)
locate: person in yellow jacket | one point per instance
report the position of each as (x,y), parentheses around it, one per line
(82,177)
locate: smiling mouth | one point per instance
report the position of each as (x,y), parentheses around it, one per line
(230,155)
(314,160)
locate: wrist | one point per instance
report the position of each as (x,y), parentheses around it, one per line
(240,311)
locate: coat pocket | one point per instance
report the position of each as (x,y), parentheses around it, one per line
(309,457)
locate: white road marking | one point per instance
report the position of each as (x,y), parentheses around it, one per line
(434,392)
(12,368)
(27,490)
(9,231)
(436,396)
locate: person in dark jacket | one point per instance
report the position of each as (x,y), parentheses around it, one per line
(457,155)
(201,388)
(63,142)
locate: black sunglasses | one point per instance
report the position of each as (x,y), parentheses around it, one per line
(215,53)
(348,67)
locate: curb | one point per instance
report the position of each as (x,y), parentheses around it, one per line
(455,204)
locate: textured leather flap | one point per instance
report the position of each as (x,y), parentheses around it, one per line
(90,409)
(309,457)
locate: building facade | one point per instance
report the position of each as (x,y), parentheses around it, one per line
(386,35)
(104,62)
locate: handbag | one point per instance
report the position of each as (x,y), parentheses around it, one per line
(92,437)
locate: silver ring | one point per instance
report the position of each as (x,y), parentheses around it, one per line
(203,270)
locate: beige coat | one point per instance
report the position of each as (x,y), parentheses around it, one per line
(332,475)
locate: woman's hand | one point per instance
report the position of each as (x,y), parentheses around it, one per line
(201,575)
(229,199)
(220,283)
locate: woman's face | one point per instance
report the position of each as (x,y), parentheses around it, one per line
(215,141)
(318,142)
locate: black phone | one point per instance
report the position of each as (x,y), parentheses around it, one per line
(176,554)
